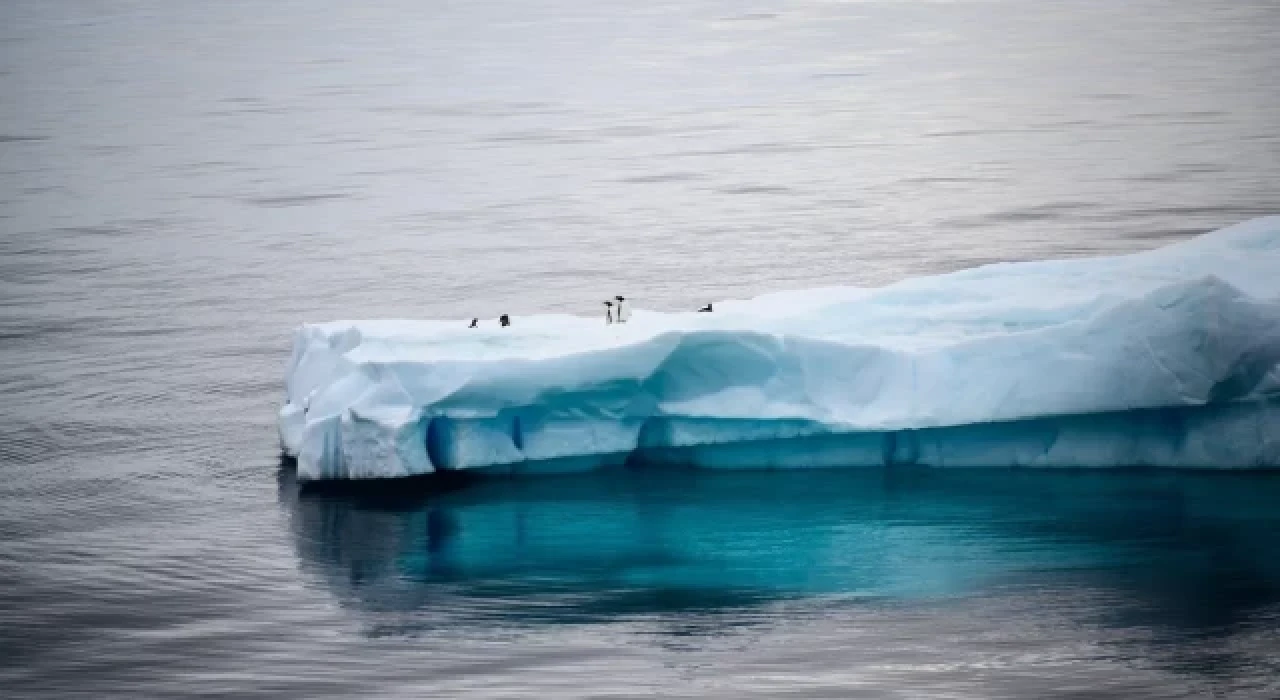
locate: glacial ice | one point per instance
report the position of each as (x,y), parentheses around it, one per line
(1169,357)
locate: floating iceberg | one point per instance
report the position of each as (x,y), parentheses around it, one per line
(1169,357)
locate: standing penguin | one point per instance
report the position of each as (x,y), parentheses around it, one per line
(504,320)
(624,312)
(608,313)
(474,322)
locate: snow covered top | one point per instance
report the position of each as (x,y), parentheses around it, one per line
(1193,323)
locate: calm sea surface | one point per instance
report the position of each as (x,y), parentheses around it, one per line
(182,182)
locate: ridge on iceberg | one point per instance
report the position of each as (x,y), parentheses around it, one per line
(1169,357)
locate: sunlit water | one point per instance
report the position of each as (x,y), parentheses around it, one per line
(182,182)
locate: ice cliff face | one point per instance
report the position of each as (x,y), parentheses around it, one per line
(1169,358)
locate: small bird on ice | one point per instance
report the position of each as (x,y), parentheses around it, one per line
(624,312)
(474,323)
(608,313)
(504,320)
(705,309)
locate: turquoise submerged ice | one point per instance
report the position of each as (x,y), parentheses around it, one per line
(1165,358)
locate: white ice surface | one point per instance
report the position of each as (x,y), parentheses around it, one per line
(1167,357)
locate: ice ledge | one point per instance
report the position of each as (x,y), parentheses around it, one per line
(1161,358)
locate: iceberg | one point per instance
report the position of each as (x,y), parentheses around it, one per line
(1169,358)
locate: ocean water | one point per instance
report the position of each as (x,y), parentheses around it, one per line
(182,182)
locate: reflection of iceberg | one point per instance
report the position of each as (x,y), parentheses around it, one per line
(1185,548)
(1161,358)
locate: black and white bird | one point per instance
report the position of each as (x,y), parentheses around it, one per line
(624,311)
(706,309)
(608,313)
(474,322)
(505,320)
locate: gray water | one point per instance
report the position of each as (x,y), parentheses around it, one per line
(182,182)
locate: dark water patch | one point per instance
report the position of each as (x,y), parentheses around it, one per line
(296,200)
(625,131)
(537,136)
(471,110)
(958,133)
(60,237)
(1040,212)
(756,189)
(19,138)
(248,109)
(677,128)
(1224,214)
(765,148)
(96,231)
(16,381)
(1188,117)
(1158,177)
(25,447)
(1166,234)
(660,178)
(143,332)
(964,262)
(945,180)
(843,204)
(1073,124)
(1181,174)
(250,350)
(15,329)
(64,268)
(209,166)
(1202,168)
(414,170)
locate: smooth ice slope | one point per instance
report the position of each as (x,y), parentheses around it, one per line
(1168,357)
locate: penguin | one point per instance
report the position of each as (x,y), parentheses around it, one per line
(624,313)
(474,322)
(505,320)
(608,313)
(705,309)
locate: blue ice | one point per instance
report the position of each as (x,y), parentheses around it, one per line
(1169,357)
